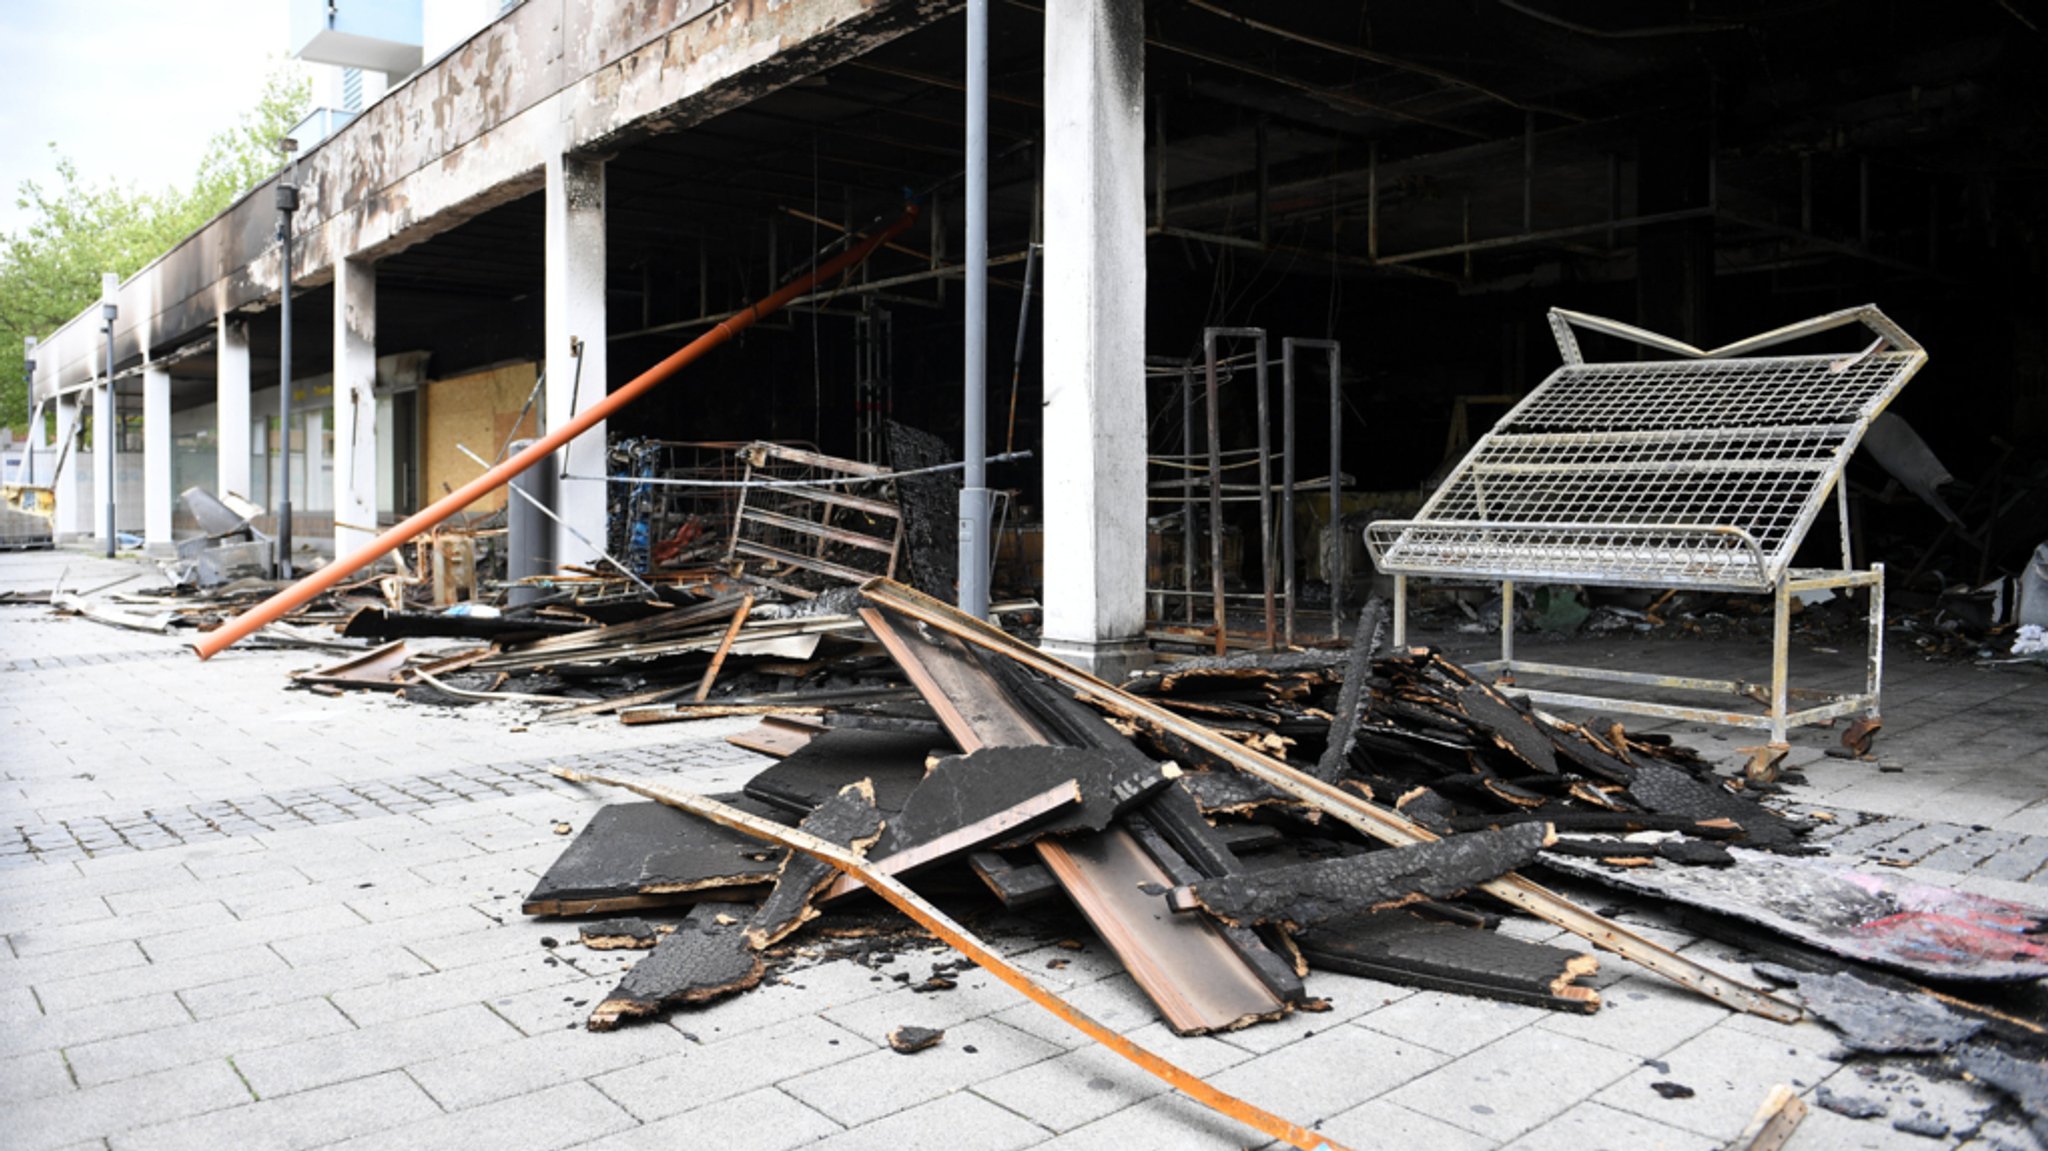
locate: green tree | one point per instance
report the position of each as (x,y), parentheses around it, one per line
(50,268)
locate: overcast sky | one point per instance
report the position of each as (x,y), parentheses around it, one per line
(130,90)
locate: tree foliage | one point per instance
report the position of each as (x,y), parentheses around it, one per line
(50,268)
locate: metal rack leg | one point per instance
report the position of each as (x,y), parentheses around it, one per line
(1507,627)
(1873,680)
(1781,641)
(1400,611)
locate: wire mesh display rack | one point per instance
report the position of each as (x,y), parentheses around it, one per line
(1703,470)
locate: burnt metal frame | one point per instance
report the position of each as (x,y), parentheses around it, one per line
(1718,556)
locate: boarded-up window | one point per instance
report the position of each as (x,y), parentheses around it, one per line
(478,412)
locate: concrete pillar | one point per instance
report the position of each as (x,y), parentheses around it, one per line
(73,490)
(106,453)
(157,496)
(355,406)
(575,312)
(1095,332)
(231,391)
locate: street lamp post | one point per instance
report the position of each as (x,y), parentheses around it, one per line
(108,439)
(28,404)
(287,203)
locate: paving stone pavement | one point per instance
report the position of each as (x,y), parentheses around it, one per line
(239,915)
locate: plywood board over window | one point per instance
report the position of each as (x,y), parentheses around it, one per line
(479,411)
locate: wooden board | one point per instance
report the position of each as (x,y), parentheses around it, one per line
(1303,894)
(632,856)
(892,761)
(1400,947)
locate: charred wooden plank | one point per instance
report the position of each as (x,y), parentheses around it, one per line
(637,855)
(1230,792)
(1399,947)
(1510,729)
(1667,790)
(1305,894)
(1014,884)
(892,761)
(1000,824)
(1174,833)
(622,934)
(1351,698)
(776,736)
(705,958)
(960,790)
(848,819)
(1198,980)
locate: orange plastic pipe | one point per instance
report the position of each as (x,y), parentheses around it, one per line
(303,592)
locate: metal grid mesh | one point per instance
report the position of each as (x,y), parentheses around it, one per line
(1701,473)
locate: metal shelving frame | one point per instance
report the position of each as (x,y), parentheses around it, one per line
(1703,470)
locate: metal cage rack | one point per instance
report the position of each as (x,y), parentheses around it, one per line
(1703,470)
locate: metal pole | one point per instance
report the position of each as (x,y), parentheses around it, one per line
(1215,496)
(1266,559)
(287,203)
(1187,491)
(28,404)
(107,439)
(1336,573)
(1287,486)
(974,491)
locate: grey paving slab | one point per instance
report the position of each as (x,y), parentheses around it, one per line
(958,1120)
(519,1066)
(87,1024)
(862,1090)
(108,1060)
(699,1075)
(369,1050)
(1451,1024)
(1383,1123)
(762,1120)
(1161,1123)
(1729,1071)
(1507,1088)
(1643,1015)
(309,1119)
(33,1076)
(560,1116)
(1081,1086)
(59,1120)
(252,992)
(1598,1127)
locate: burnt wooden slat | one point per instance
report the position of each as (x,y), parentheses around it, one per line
(1303,894)
(848,819)
(1398,947)
(638,855)
(701,960)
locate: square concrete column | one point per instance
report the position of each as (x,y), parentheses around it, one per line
(106,454)
(231,393)
(1095,332)
(576,313)
(156,461)
(355,406)
(73,489)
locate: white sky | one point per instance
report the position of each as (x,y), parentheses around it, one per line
(131,90)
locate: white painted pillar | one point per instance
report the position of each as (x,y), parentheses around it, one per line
(575,311)
(231,391)
(355,406)
(106,451)
(1095,332)
(74,493)
(157,496)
